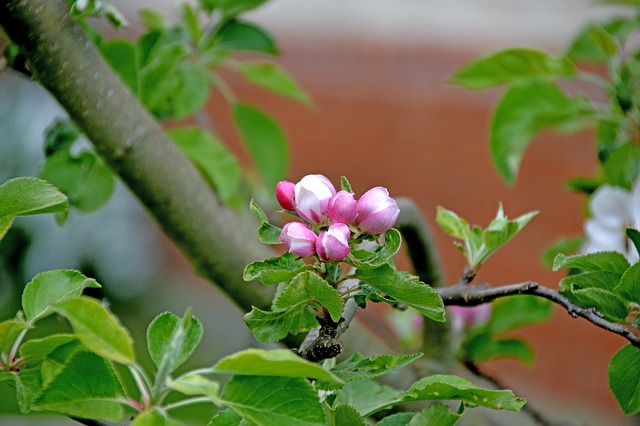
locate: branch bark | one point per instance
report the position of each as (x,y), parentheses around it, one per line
(135,146)
(472,295)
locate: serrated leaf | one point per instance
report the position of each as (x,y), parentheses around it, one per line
(163,340)
(267,233)
(399,419)
(56,361)
(270,326)
(274,401)
(196,384)
(51,287)
(611,261)
(367,397)
(217,164)
(97,328)
(628,287)
(237,35)
(564,246)
(9,331)
(606,280)
(518,311)
(509,65)
(307,287)
(87,388)
(36,349)
(344,415)
(279,362)
(274,78)
(29,196)
(606,302)
(226,417)
(275,270)
(624,379)
(358,367)
(448,387)
(404,288)
(84,178)
(634,236)
(28,387)
(381,254)
(265,141)
(524,110)
(452,224)
(501,230)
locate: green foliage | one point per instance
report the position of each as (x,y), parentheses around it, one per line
(172,340)
(275,270)
(478,244)
(381,254)
(624,379)
(274,78)
(81,9)
(28,196)
(267,233)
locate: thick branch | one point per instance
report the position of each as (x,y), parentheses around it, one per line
(135,146)
(465,295)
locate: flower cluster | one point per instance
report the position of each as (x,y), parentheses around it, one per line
(613,209)
(330,217)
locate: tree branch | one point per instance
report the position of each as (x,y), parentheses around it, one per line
(135,146)
(465,295)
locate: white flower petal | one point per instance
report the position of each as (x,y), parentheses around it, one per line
(611,206)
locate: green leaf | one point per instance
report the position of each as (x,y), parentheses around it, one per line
(501,230)
(149,418)
(37,349)
(358,367)
(437,415)
(482,347)
(519,311)
(367,397)
(275,270)
(404,288)
(226,417)
(28,387)
(274,401)
(307,287)
(97,328)
(344,415)
(122,55)
(60,136)
(232,8)
(192,89)
(622,166)
(29,196)
(624,379)
(507,66)
(634,236)
(85,179)
(588,44)
(195,384)
(265,141)
(162,332)
(5,224)
(628,287)
(87,388)
(9,331)
(400,419)
(453,224)
(524,110)
(218,165)
(448,387)
(606,302)
(611,261)
(274,78)
(279,362)
(267,233)
(56,361)
(51,287)
(151,19)
(271,326)
(237,35)
(605,280)
(564,246)
(381,254)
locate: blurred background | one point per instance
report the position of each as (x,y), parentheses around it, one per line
(383,114)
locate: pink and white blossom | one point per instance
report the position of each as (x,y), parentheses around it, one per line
(312,196)
(376,211)
(298,238)
(464,317)
(342,207)
(613,210)
(285,192)
(333,244)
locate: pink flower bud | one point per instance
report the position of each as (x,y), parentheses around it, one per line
(285,191)
(312,196)
(333,244)
(471,316)
(298,238)
(376,212)
(342,207)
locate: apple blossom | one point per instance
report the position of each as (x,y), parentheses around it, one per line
(376,211)
(613,210)
(470,316)
(298,238)
(312,196)
(333,244)
(342,207)
(285,192)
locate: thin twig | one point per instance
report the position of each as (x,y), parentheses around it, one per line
(478,294)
